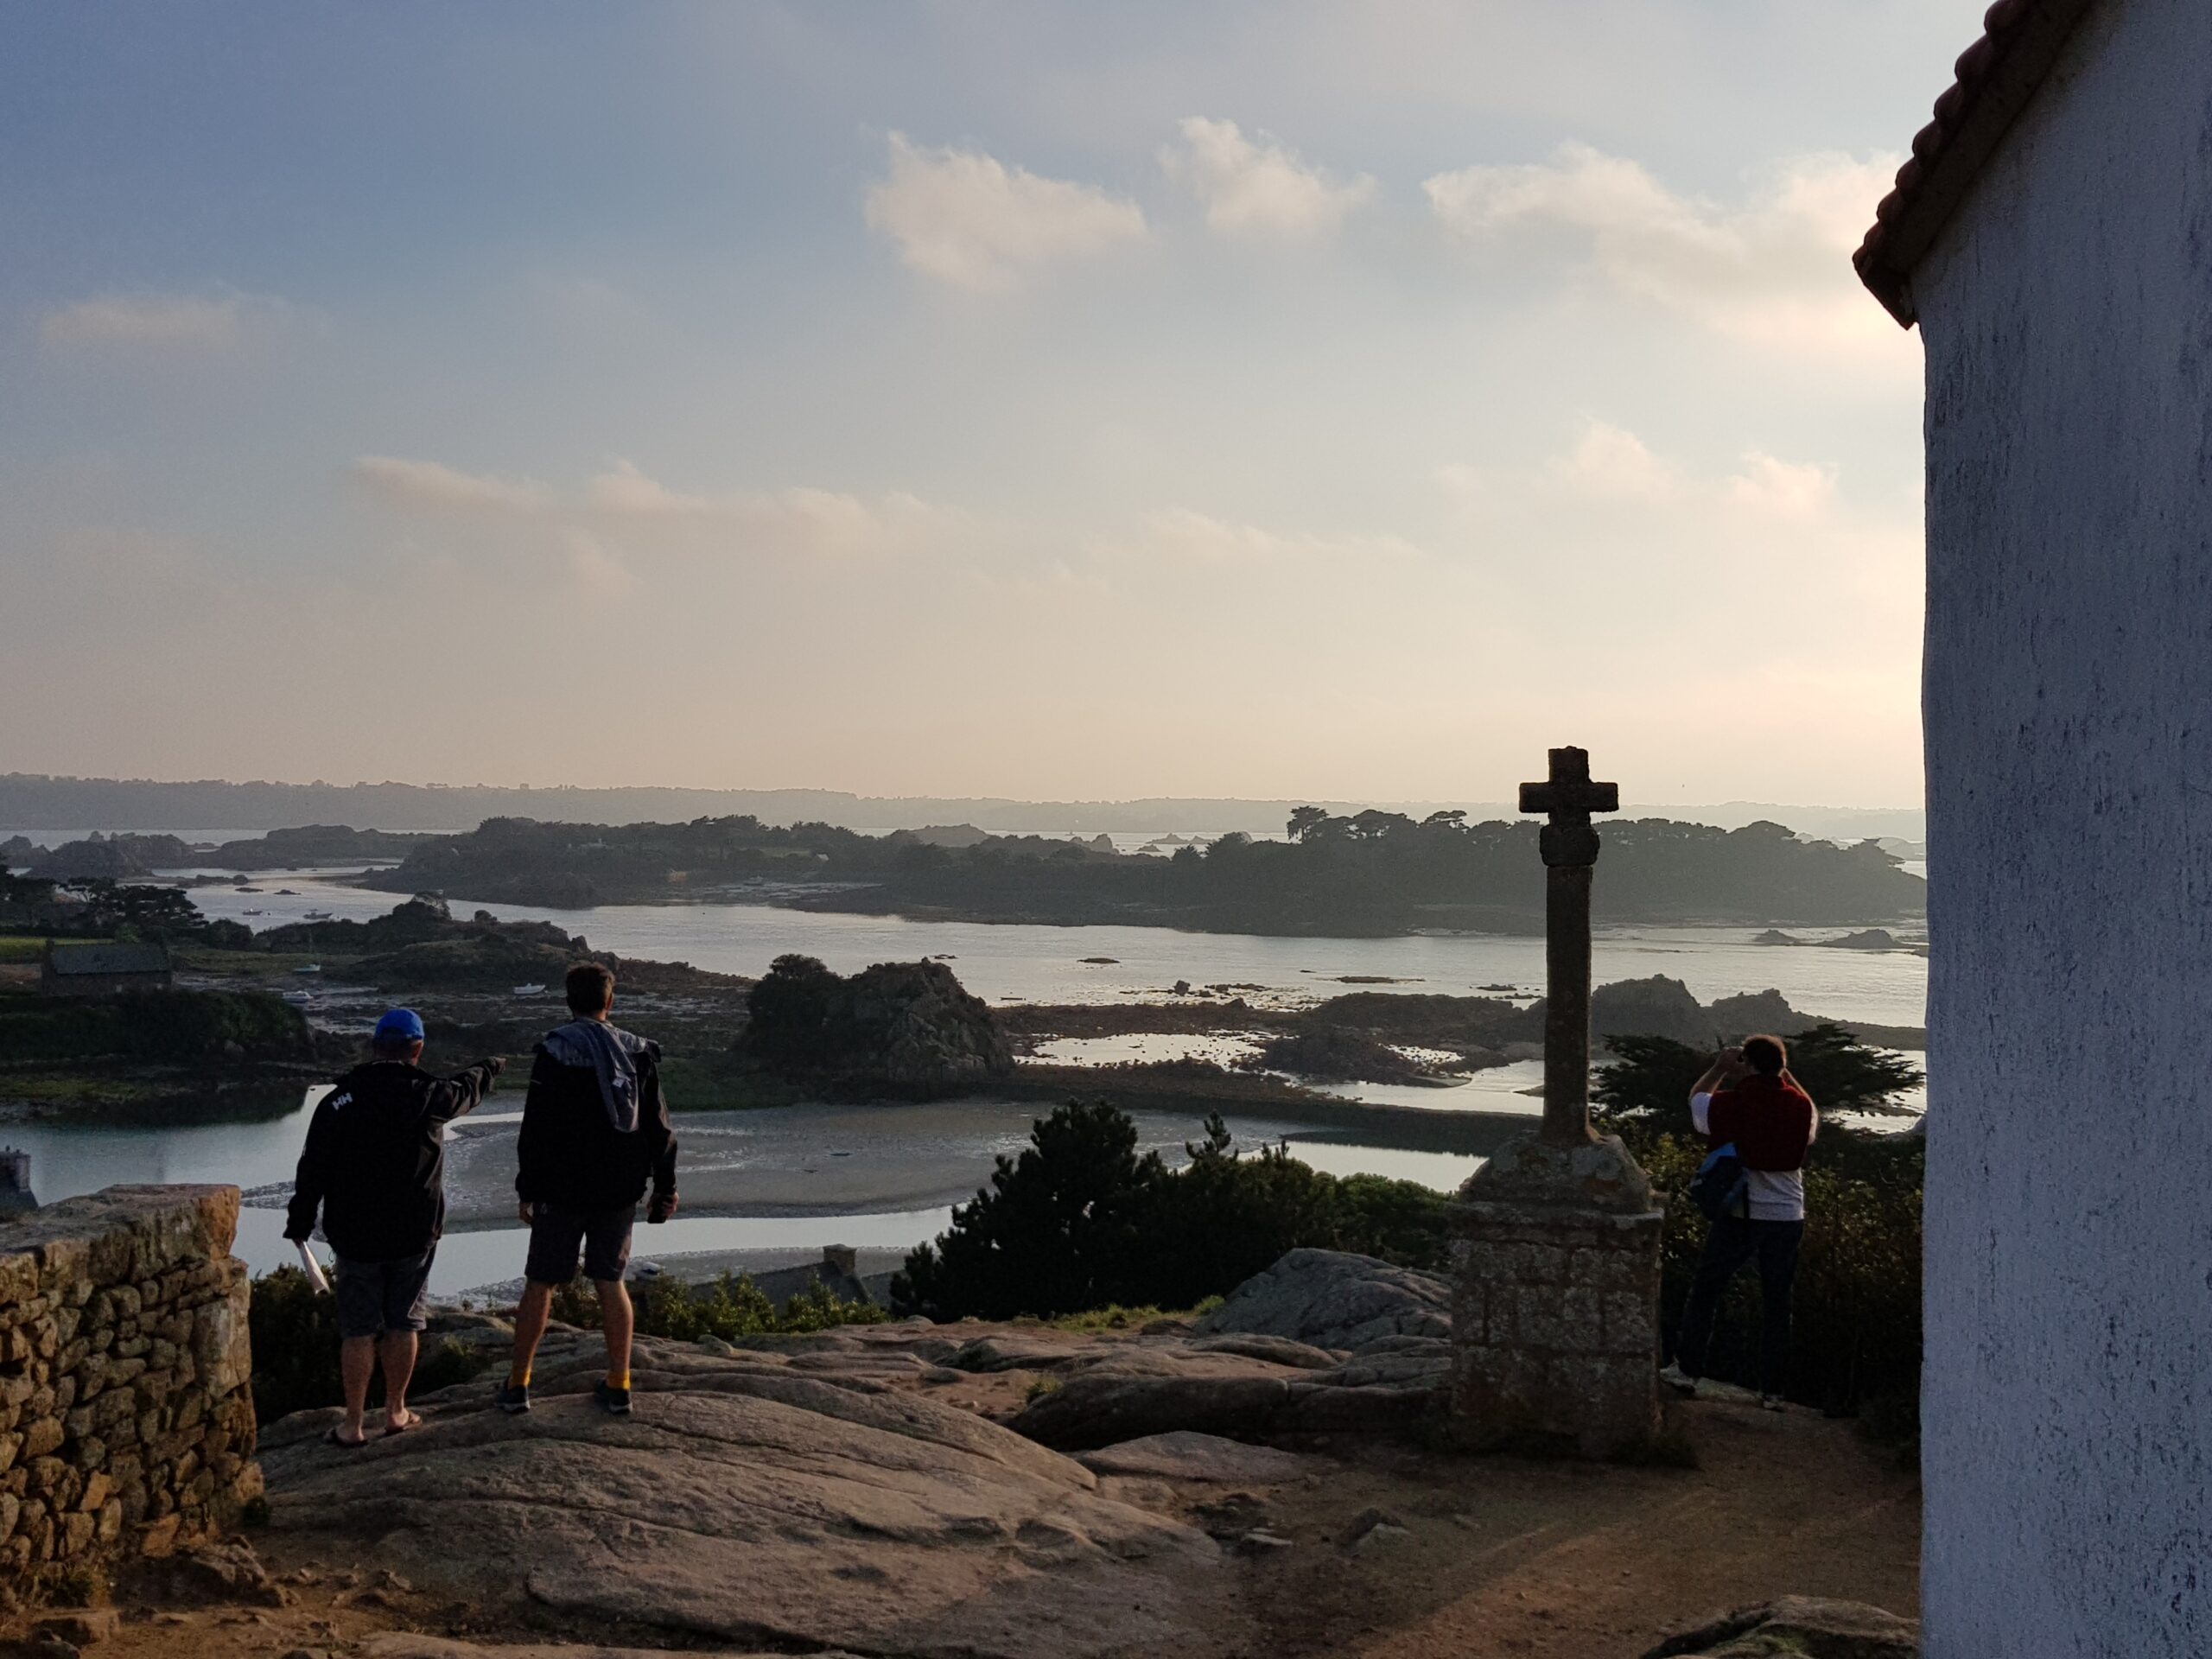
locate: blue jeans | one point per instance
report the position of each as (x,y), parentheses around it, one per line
(1733,1242)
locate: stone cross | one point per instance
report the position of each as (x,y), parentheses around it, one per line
(1570,850)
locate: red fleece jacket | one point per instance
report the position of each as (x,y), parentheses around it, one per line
(1769,1119)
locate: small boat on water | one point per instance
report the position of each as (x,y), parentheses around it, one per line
(298,999)
(315,916)
(530,990)
(308,968)
(287,893)
(249,912)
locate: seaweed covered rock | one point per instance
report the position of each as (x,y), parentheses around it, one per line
(909,1023)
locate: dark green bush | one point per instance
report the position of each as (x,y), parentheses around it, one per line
(1082,1221)
(728,1307)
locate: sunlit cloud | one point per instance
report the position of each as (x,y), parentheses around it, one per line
(1776,269)
(1611,461)
(969,220)
(178,322)
(1261,188)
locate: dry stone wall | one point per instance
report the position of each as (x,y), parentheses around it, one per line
(126,1406)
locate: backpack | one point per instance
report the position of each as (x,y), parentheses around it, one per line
(1721,1188)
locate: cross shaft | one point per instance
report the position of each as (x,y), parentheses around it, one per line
(1569,844)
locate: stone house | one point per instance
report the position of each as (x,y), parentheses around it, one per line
(2052,239)
(102,968)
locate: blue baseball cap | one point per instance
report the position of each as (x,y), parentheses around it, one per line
(400,1025)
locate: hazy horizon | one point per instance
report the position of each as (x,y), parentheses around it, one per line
(1011,402)
(205,807)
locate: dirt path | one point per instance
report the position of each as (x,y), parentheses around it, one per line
(1576,1562)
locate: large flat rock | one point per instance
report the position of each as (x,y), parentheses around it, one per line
(1182,1455)
(760,1498)
(1334,1299)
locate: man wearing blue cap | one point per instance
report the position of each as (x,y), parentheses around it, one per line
(374,1165)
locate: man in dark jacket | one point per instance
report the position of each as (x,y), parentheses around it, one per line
(595,1135)
(374,1165)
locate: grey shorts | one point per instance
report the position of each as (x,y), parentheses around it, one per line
(557,1232)
(374,1297)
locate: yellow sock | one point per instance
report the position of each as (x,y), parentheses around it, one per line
(618,1380)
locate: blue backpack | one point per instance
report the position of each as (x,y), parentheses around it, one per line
(1721,1188)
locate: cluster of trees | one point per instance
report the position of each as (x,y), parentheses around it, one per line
(97,907)
(1383,872)
(175,1027)
(1368,872)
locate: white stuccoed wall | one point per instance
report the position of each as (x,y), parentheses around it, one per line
(2067,1399)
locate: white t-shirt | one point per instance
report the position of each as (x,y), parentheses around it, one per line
(1775,1194)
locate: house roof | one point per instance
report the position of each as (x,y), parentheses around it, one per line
(105,956)
(1998,76)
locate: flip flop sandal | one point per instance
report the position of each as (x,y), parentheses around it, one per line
(333,1439)
(412,1423)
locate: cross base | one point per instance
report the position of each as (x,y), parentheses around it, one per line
(1556,1301)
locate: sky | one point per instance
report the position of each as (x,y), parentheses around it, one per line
(1038,400)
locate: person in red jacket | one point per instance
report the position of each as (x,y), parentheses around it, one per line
(1747,1099)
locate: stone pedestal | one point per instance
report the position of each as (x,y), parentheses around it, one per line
(1556,1301)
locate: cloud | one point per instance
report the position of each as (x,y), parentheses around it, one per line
(432,485)
(1611,461)
(968,219)
(1775,269)
(164,321)
(625,511)
(1258,188)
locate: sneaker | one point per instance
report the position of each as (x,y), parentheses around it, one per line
(1680,1381)
(612,1399)
(1770,1402)
(515,1397)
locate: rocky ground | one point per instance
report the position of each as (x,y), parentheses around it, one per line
(1268,1481)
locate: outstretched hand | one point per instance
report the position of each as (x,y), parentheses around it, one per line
(495,1064)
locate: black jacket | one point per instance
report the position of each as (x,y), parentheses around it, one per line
(375,1161)
(571,1153)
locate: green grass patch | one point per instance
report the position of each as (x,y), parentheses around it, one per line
(16,947)
(1117,1317)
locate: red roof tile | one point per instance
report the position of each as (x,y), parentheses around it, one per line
(1997,77)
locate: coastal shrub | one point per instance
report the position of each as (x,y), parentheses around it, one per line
(1082,1221)
(294,1332)
(728,1307)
